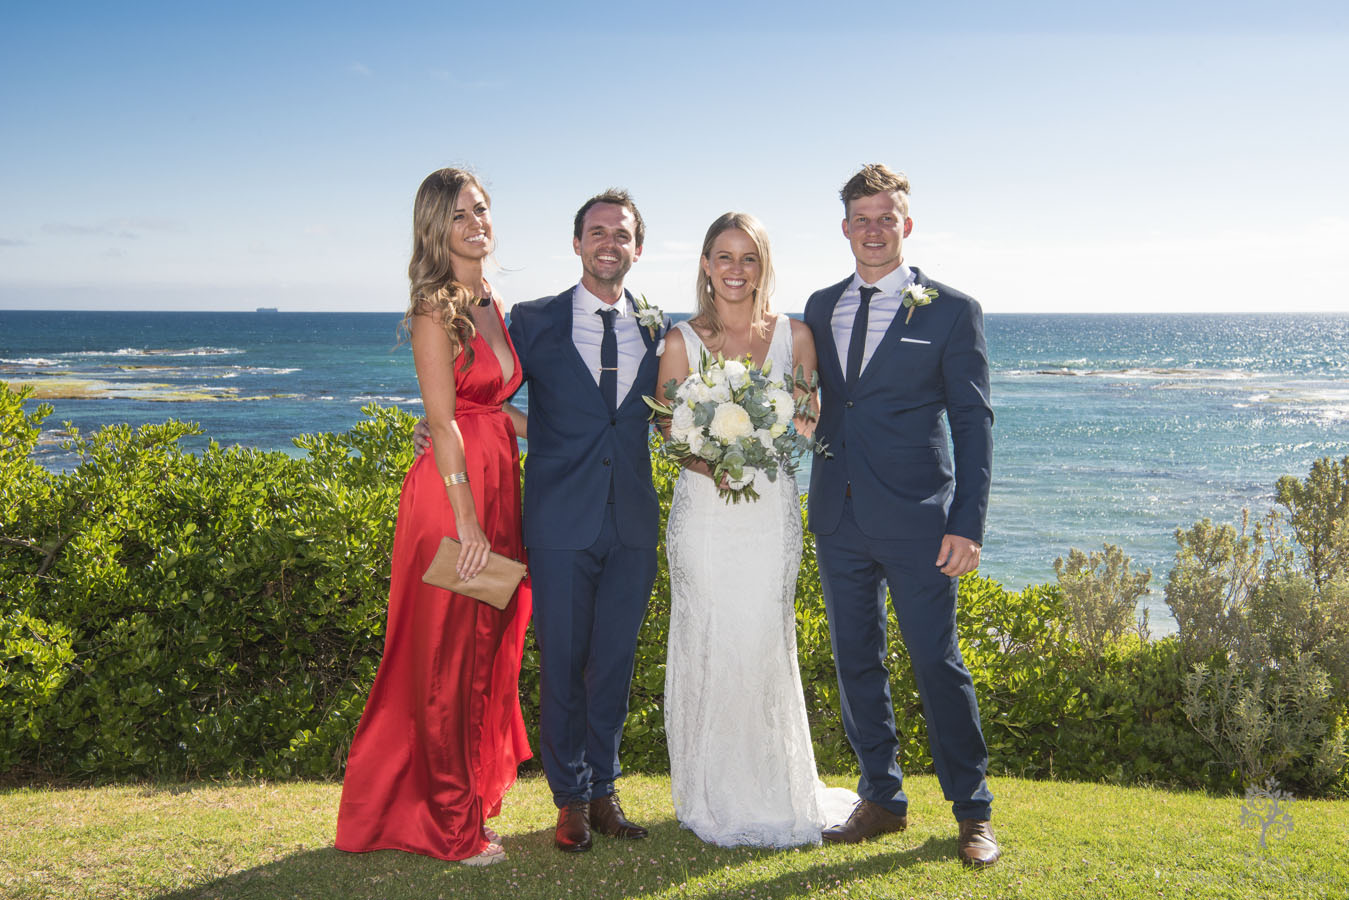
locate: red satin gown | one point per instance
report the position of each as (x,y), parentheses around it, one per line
(442,734)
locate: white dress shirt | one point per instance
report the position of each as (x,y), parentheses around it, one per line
(587,331)
(881,312)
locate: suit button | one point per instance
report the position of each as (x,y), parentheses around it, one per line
(606,460)
(848,404)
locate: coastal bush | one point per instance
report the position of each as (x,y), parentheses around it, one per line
(1317,509)
(1101,595)
(170,614)
(1264,621)
(1209,588)
(1266,723)
(177,614)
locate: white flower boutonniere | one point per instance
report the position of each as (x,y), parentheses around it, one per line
(649,315)
(917,295)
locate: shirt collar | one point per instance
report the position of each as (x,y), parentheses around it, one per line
(591,304)
(890,285)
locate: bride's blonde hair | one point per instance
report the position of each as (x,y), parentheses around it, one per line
(707,316)
(434,291)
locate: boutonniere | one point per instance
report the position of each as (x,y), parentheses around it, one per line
(649,315)
(917,295)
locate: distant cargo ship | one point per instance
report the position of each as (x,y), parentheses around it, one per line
(267,309)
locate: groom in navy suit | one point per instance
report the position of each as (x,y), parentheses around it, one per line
(900,357)
(590,512)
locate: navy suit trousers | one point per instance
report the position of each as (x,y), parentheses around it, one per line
(588,608)
(854,572)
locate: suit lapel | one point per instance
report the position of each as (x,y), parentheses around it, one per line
(641,377)
(893,332)
(561,310)
(826,348)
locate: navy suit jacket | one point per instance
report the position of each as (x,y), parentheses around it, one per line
(888,434)
(577,449)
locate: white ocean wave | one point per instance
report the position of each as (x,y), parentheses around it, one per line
(30,361)
(373,398)
(1153,373)
(142,351)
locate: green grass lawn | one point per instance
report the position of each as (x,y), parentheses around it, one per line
(264,840)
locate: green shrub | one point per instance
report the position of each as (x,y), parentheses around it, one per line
(1317,509)
(1265,723)
(168,614)
(190,615)
(1209,589)
(1265,621)
(1101,596)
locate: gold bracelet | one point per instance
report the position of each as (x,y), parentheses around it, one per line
(456,478)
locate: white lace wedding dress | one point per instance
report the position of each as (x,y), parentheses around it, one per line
(742,770)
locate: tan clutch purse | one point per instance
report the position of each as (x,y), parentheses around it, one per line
(494,585)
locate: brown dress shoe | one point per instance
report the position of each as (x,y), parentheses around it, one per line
(606,817)
(573,827)
(978,846)
(867,821)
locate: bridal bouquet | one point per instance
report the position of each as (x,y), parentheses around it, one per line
(737,418)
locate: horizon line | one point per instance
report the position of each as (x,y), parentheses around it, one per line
(385,312)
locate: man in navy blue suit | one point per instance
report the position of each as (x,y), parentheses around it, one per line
(591,513)
(901,356)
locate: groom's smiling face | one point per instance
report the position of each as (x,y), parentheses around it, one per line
(876,227)
(608,243)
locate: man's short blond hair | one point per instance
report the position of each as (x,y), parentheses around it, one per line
(876,178)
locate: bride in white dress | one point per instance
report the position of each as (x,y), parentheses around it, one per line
(742,769)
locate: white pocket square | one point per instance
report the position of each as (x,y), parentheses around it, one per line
(913,341)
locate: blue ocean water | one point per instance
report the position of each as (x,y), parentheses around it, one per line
(1116,428)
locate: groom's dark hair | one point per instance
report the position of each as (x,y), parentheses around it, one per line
(876,178)
(618,197)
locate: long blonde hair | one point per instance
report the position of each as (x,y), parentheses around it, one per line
(707,307)
(434,290)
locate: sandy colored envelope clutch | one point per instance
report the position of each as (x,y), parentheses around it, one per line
(494,585)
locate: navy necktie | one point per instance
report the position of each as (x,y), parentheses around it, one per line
(609,359)
(857,345)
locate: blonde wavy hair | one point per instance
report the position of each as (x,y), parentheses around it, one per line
(707,316)
(434,290)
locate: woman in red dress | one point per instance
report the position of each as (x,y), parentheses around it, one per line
(442,735)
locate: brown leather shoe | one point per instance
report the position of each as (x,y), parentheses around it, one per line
(866,822)
(606,817)
(978,846)
(573,827)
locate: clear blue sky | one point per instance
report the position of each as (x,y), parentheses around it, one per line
(1064,157)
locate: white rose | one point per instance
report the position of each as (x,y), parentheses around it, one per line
(730,423)
(696,392)
(736,373)
(682,421)
(695,442)
(765,438)
(720,392)
(778,430)
(716,375)
(783,406)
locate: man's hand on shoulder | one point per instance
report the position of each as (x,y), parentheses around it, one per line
(421,437)
(958,555)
